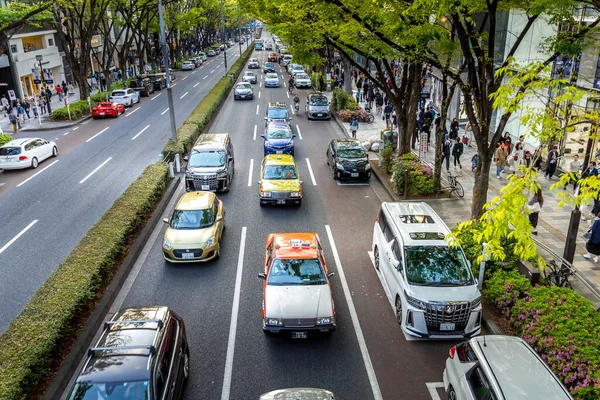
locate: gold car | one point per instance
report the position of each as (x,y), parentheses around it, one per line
(279,180)
(195,228)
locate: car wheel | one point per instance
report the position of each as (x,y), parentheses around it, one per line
(399,309)
(376,257)
(451,394)
(34,163)
(54,151)
(186,365)
(218,250)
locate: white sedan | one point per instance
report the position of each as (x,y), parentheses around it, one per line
(271,80)
(302,80)
(125,96)
(26,153)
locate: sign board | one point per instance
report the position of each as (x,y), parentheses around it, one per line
(48,78)
(67,101)
(12,95)
(423,143)
(37,77)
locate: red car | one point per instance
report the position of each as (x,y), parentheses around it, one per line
(272,57)
(107,108)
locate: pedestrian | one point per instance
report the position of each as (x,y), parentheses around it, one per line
(365,90)
(322,82)
(446,153)
(42,103)
(359,83)
(394,119)
(457,151)
(516,157)
(468,133)
(428,118)
(500,157)
(71,89)
(537,159)
(27,107)
(49,94)
(354,126)
(34,108)
(575,168)
(379,104)
(357,96)
(474,161)
(5,104)
(59,92)
(13,119)
(454,128)
(64,88)
(21,113)
(552,162)
(507,142)
(593,244)
(527,159)
(535,204)
(387,113)
(371,99)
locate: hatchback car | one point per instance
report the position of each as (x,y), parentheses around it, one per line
(250,77)
(272,57)
(347,159)
(272,80)
(253,63)
(211,53)
(317,106)
(268,67)
(142,353)
(243,90)
(195,229)
(142,85)
(26,153)
(125,96)
(202,55)
(268,46)
(302,80)
(279,181)
(187,66)
(499,367)
(279,138)
(108,108)
(297,295)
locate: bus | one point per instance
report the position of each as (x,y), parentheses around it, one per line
(258,44)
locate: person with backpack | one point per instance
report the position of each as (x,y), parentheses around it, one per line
(457,151)
(353,127)
(14,120)
(446,153)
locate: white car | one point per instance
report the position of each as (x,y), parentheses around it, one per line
(302,80)
(188,66)
(294,69)
(202,55)
(500,368)
(272,80)
(287,58)
(297,290)
(26,153)
(125,96)
(249,77)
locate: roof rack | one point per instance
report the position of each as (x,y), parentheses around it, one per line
(159,322)
(150,348)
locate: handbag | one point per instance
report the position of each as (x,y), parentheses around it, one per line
(535,207)
(588,234)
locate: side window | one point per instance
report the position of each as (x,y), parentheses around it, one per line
(269,254)
(28,146)
(165,358)
(397,254)
(385,228)
(479,385)
(216,205)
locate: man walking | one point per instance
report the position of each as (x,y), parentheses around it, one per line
(5,104)
(500,157)
(552,162)
(457,151)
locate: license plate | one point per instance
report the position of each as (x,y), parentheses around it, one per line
(319,115)
(354,174)
(279,151)
(298,335)
(280,201)
(205,187)
(187,255)
(447,327)
(101,113)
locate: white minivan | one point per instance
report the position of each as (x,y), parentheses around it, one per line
(432,286)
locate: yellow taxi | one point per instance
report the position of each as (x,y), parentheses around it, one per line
(279,180)
(195,229)
(297,291)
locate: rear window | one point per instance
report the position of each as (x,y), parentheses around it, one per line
(117,93)
(10,151)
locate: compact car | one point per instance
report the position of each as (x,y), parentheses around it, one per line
(279,138)
(272,57)
(202,55)
(125,96)
(277,111)
(211,53)
(268,46)
(268,67)
(347,159)
(249,76)
(253,63)
(297,294)
(194,229)
(187,66)
(279,182)
(272,80)
(317,106)
(26,153)
(243,90)
(294,69)
(302,80)
(108,108)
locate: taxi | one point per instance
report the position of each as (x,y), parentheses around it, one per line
(279,181)
(277,111)
(297,290)
(195,229)
(107,108)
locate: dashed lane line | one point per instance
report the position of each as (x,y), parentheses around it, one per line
(164,112)
(142,131)
(128,114)
(97,134)
(37,173)
(96,170)
(7,245)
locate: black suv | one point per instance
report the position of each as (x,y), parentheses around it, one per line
(142,85)
(348,159)
(158,80)
(142,353)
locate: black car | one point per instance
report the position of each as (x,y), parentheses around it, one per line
(142,85)
(268,67)
(142,353)
(347,159)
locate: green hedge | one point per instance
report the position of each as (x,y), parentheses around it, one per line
(562,326)
(342,100)
(189,132)
(5,139)
(420,177)
(32,339)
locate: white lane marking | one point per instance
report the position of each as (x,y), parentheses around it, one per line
(312,176)
(255,128)
(36,174)
(102,131)
(185,94)
(259,95)
(194,72)
(257,107)
(196,84)
(184,78)
(205,77)
(250,172)
(7,245)
(221,63)
(288,94)
(75,128)
(55,139)
(234,318)
(299,133)
(66,133)
(128,114)
(284,84)
(164,112)
(212,71)
(96,170)
(357,329)
(142,131)
(260,84)
(432,387)
(155,96)
(173,85)
(292,109)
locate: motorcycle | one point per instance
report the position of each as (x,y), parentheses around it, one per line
(297,104)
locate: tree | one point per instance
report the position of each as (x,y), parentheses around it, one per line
(16,15)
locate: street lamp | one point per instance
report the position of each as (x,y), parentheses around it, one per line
(223,35)
(166,62)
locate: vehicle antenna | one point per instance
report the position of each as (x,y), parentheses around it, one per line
(484,345)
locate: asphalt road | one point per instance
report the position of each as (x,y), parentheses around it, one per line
(45,212)
(367,357)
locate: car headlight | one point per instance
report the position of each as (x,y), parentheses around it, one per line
(290,144)
(476,303)
(210,242)
(266,194)
(422,305)
(339,166)
(368,166)
(222,174)
(325,320)
(166,244)
(274,321)
(295,194)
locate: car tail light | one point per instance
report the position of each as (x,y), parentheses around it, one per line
(22,158)
(377,218)
(452,352)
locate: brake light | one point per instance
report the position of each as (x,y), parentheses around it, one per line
(377,218)
(22,158)
(452,352)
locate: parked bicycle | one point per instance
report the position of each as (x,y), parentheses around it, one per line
(368,118)
(558,276)
(453,186)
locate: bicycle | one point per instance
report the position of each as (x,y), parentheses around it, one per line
(454,186)
(368,118)
(558,276)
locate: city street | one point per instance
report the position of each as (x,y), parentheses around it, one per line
(367,357)
(45,212)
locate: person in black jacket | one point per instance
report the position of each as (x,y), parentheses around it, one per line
(454,129)
(457,151)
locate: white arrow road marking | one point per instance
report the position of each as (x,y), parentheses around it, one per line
(299,133)
(142,131)
(96,170)
(102,131)
(312,176)
(36,174)
(164,112)
(196,84)
(7,245)
(185,94)
(250,172)
(128,114)
(155,96)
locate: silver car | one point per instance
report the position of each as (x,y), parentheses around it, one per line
(243,90)
(125,96)
(250,77)
(302,80)
(272,80)
(317,106)
(188,66)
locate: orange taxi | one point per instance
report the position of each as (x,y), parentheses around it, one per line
(297,290)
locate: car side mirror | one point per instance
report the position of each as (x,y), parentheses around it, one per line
(330,274)
(166,220)
(263,136)
(262,276)
(301,182)
(185,158)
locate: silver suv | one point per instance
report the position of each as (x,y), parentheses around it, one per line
(210,164)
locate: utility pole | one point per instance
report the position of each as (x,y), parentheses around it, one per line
(163,40)
(239,30)
(223,35)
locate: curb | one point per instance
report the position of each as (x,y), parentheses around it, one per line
(81,345)
(56,127)
(488,324)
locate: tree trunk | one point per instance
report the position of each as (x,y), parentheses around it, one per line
(347,76)
(414,79)
(481,184)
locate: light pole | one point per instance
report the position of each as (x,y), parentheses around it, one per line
(223,36)
(239,30)
(166,62)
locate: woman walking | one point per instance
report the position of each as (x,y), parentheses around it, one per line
(446,153)
(535,204)
(593,243)
(457,151)
(552,162)
(516,157)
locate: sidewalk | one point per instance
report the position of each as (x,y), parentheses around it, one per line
(553,221)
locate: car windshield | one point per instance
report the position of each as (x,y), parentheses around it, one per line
(251,74)
(279,132)
(297,68)
(192,219)
(302,76)
(117,93)
(318,101)
(244,86)
(277,172)
(132,390)
(436,266)
(208,158)
(296,272)
(351,152)
(277,113)
(271,76)
(254,60)
(269,64)
(10,151)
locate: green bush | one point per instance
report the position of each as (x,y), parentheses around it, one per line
(342,100)
(315,78)
(561,325)
(387,159)
(420,177)
(5,139)
(50,317)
